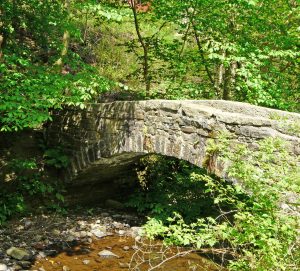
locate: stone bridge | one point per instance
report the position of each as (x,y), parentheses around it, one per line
(104,140)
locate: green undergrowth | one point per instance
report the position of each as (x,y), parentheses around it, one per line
(245,221)
(30,188)
(169,185)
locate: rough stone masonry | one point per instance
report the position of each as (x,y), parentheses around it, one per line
(104,138)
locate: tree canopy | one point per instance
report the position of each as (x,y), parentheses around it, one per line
(245,50)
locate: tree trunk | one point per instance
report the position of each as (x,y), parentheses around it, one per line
(229,80)
(1,41)
(85,26)
(220,77)
(144,47)
(226,87)
(66,39)
(214,82)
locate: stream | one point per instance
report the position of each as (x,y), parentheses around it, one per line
(89,240)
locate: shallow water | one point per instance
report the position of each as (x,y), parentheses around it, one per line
(139,256)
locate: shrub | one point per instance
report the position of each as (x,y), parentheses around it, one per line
(250,225)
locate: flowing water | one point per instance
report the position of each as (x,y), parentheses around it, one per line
(129,255)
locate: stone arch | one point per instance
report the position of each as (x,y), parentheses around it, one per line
(105,136)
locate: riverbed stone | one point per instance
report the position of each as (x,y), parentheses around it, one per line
(24,264)
(138,238)
(99,233)
(83,234)
(18,253)
(70,238)
(41,255)
(16,267)
(51,245)
(50,252)
(136,231)
(55,232)
(86,262)
(117,225)
(38,238)
(3,267)
(107,254)
(121,232)
(126,248)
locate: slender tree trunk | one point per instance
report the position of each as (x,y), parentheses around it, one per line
(220,77)
(216,83)
(85,26)
(145,63)
(229,80)
(185,38)
(226,86)
(66,40)
(229,72)
(1,41)
(1,35)
(233,69)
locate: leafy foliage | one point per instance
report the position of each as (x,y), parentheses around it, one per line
(182,190)
(241,46)
(55,157)
(243,50)
(252,225)
(31,85)
(29,187)
(29,93)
